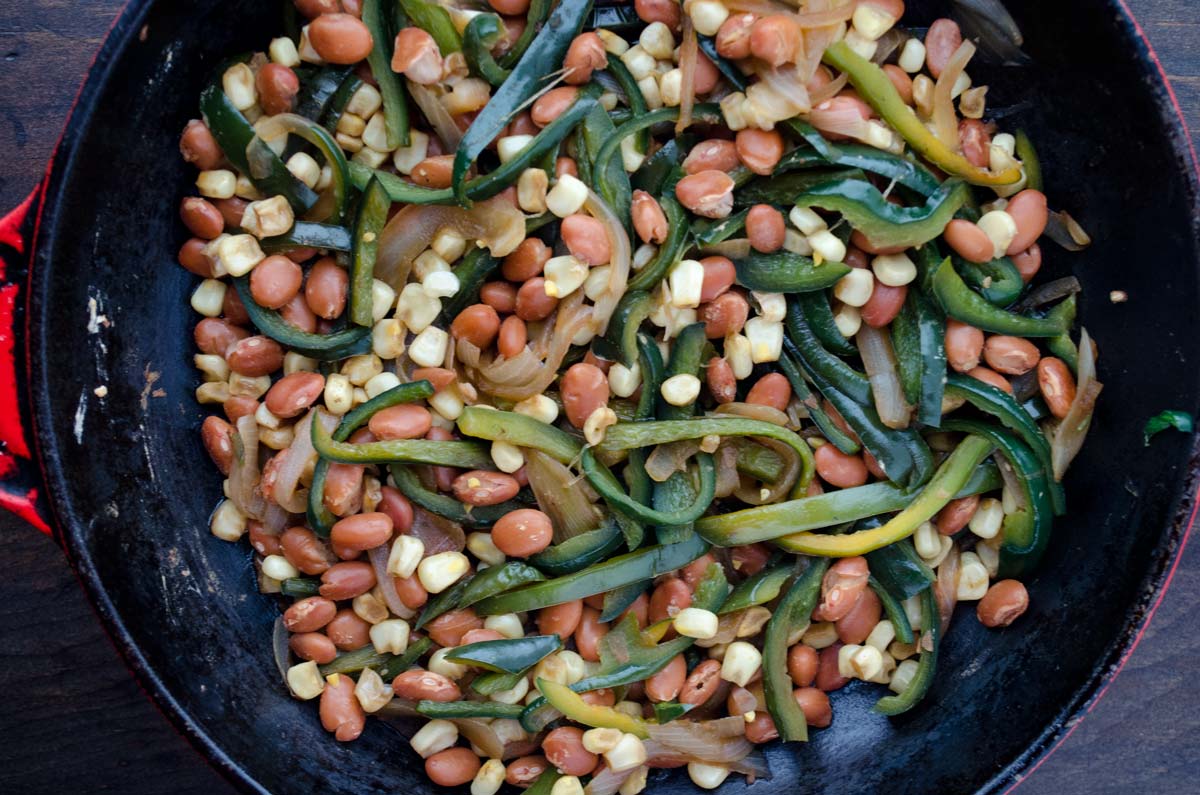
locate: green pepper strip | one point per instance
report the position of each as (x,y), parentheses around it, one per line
(481,35)
(434,20)
(326,347)
(308,234)
(785,190)
(951,476)
(320,90)
(606,483)
(641,487)
(469,590)
(1026,531)
(633,96)
(916,690)
(443,602)
(372,215)
(580,551)
(679,490)
(395,107)
(609,178)
(705,112)
(998,281)
(319,517)
(535,18)
(781,519)
(832,433)
(1028,156)
(785,272)
(486,185)
(476,517)
(543,58)
(472,271)
(300,587)
(622,334)
(618,600)
(671,250)
(337,105)
(761,463)
(469,709)
(758,590)
(1005,408)
(402,662)
(883,223)
(920,333)
(656,169)
(900,569)
(566,700)
(667,711)
(353,661)
(819,315)
(712,231)
(873,84)
(486,684)
(1063,346)
(893,610)
(628,435)
(624,569)
(261,160)
(509,655)
(465,455)
(234,134)
(962,303)
(811,353)
(519,430)
(795,608)
(905,172)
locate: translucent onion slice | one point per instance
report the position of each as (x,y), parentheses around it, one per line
(562,495)
(1070,433)
(945,120)
(619,264)
(436,114)
(245,475)
(879,359)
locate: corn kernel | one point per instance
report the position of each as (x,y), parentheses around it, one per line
(820,635)
(624,381)
(437,735)
(602,740)
(510,146)
(447,668)
(489,779)
(707,15)
(912,56)
(640,63)
(228,522)
(406,158)
(217,184)
(972,578)
(564,275)
(766,340)
(903,676)
(507,624)
(707,776)
(208,299)
(283,52)
(855,288)
(482,547)
(567,785)
(686,281)
(681,390)
(428,348)
(628,753)
(741,662)
(238,84)
(737,353)
(305,680)
(772,307)
(238,254)
(390,636)
(694,622)
(1001,229)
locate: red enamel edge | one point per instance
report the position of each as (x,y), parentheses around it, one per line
(1187,532)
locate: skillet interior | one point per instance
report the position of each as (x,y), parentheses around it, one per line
(133,487)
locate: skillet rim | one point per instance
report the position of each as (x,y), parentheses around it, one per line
(69,532)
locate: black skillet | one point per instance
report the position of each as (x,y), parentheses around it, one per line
(131,488)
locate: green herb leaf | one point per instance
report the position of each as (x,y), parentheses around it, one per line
(1171,418)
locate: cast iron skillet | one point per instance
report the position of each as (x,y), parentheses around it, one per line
(132,488)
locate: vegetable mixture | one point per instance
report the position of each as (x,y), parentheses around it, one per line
(604,387)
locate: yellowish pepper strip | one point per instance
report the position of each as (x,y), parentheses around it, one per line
(875,87)
(951,476)
(571,704)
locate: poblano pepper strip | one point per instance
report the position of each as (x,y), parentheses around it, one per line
(926,664)
(882,222)
(671,250)
(900,569)
(832,433)
(520,430)
(998,281)
(391,89)
(893,609)
(758,589)
(449,710)
(354,661)
(318,92)
(300,587)
(1063,346)
(641,487)
(785,190)
(679,490)
(633,97)
(474,588)
(535,18)
(483,33)
(508,655)
(785,272)
(372,215)
(624,569)
(540,61)
(337,105)
(931,338)
(308,234)
(854,155)
(793,610)
(874,86)
(486,684)
(326,347)
(478,517)
(609,178)
(261,160)
(466,455)
(818,313)
(472,271)
(622,334)
(906,341)
(810,352)
(618,600)
(962,303)
(653,174)
(781,519)
(712,231)
(1030,162)
(954,473)
(402,662)
(607,485)
(706,112)
(580,551)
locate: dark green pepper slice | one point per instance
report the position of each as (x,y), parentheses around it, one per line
(509,655)
(962,303)
(758,590)
(794,609)
(308,234)
(882,222)
(481,35)
(434,20)
(326,347)
(474,516)
(391,89)
(469,709)
(785,272)
(372,215)
(581,551)
(819,315)
(926,664)
(466,455)
(893,609)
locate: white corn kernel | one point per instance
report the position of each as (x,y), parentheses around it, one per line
(294,362)
(600,420)
(901,651)
(628,753)
(642,255)
(772,307)
(602,740)
(387,338)
(989,555)
(540,407)
(566,197)
(613,44)
(448,404)
(369,607)
(859,662)
(375,136)
(640,63)
(238,84)
(268,217)
(1006,142)
(828,245)
(382,298)
(1001,229)
(213,367)
(339,393)
(752,621)
(304,168)
(624,381)
(732,109)
(630,708)
(648,85)
(912,611)
(305,680)
(595,286)
(972,578)
(686,281)
(277,568)
(447,668)
(926,540)
(326,177)
(507,624)
(448,244)
(706,776)
(489,779)
(987,518)
(576,667)
(882,635)
(880,136)
(656,39)
(766,340)
(365,101)
(406,158)
(228,522)
(249,387)
(245,189)
(390,636)
(371,158)
(437,735)
(635,782)
(807,220)
(847,319)
(961,84)
(902,677)
(441,284)
(820,635)
(738,354)
(894,270)
(861,44)
(567,785)
(855,288)
(507,456)
(351,124)
(467,95)
(707,16)
(372,692)
(438,572)
(670,88)
(681,390)
(307,53)
(532,186)
(923,95)
(238,254)
(208,299)
(872,22)
(912,56)
(482,547)
(564,275)
(380,384)
(428,348)
(217,184)
(631,158)
(741,662)
(283,52)
(417,308)
(510,146)
(884,674)
(514,695)
(694,622)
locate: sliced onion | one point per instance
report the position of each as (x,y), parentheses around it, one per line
(281,649)
(495,223)
(754,411)
(945,120)
(607,781)
(689,51)
(379,560)
(817,38)
(275,519)
(879,359)
(1070,433)
(754,495)
(742,701)
(437,533)
(1025,386)
(718,742)
(735,248)
(298,457)
(791,87)
(945,590)
(829,90)
(1066,231)
(759,7)
(727,473)
(436,114)
(619,264)
(481,735)
(562,495)
(245,475)
(667,459)
(516,748)
(841,119)
(888,43)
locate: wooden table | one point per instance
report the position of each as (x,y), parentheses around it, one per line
(72,718)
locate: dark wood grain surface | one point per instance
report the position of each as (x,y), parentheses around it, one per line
(73,720)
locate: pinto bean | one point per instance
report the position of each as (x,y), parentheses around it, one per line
(315,646)
(418,684)
(435,171)
(532,302)
(855,626)
(941,42)
(362,531)
(714,154)
(305,551)
(1010,355)
(701,683)
(346,580)
(564,749)
(193,259)
(406,421)
(216,435)
(829,678)
(649,220)
(309,614)
(884,305)
(584,388)
(410,591)
(480,487)
(964,346)
(900,81)
(664,11)
(956,514)
(275,281)
(263,542)
(526,260)
(340,38)
(199,147)
(525,770)
(749,559)
(343,488)
(1057,385)
(759,150)
(669,597)
(706,193)
(585,55)
(1028,262)
(776,39)
(802,664)
(277,88)
(523,532)
(552,104)
(500,296)
(255,356)
(512,337)
(200,217)
(839,469)
(233,309)
(771,390)
(452,767)
(975,142)
(291,395)
(668,681)
(448,628)
(586,238)
(765,228)
(1004,603)
(726,314)
(347,631)
(397,507)
(415,54)
(722,384)
(694,572)
(341,714)
(991,378)
(841,586)
(815,706)
(733,37)
(762,729)
(588,634)
(969,241)
(478,324)
(1028,209)
(562,619)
